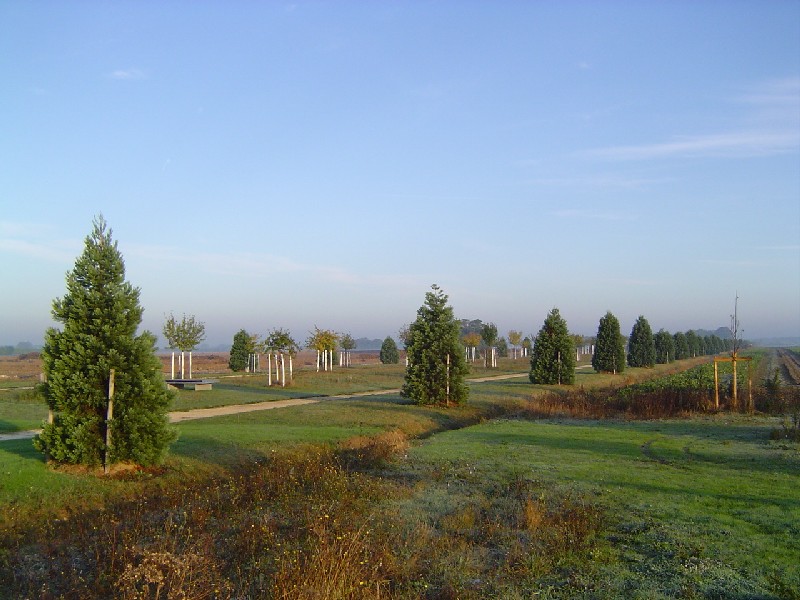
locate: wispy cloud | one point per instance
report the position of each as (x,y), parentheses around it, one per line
(256,265)
(61,252)
(575,213)
(720,262)
(36,240)
(127,74)
(774,95)
(782,248)
(771,126)
(736,144)
(600,181)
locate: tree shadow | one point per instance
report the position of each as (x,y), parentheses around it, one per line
(23,449)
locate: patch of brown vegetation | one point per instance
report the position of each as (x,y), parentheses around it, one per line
(122,471)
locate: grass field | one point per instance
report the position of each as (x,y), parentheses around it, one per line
(706,507)
(483,503)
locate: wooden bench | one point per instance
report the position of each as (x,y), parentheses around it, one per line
(191,384)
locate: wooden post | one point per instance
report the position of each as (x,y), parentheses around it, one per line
(716,385)
(559,367)
(735,399)
(109,418)
(447,397)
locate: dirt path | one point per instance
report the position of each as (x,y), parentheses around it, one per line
(235,409)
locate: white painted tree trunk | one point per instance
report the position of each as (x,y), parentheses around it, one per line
(317,361)
(183,365)
(283,371)
(291,369)
(172,367)
(269,368)
(190,364)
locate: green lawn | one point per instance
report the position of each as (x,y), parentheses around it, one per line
(707,507)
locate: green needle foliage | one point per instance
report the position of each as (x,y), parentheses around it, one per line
(553,355)
(241,350)
(100,314)
(609,350)
(665,347)
(434,337)
(389,354)
(642,345)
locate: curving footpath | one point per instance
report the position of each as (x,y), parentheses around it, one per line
(235,409)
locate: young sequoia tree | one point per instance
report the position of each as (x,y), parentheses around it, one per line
(609,349)
(642,345)
(389,354)
(100,314)
(553,355)
(242,347)
(436,368)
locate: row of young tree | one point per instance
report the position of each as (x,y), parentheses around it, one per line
(553,355)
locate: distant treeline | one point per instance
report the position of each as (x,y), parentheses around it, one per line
(21,348)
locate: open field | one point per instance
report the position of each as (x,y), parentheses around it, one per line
(401,501)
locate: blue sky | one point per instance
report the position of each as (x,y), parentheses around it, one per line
(267,164)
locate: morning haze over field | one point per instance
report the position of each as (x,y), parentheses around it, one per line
(294,165)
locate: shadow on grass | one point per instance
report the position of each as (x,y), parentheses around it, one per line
(690,494)
(7,427)
(691,436)
(213,450)
(264,393)
(23,449)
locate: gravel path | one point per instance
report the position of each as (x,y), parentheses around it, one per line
(235,409)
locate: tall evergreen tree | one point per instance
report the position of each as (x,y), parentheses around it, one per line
(609,350)
(693,344)
(681,346)
(437,367)
(100,314)
(553,354)
(665,347)
(389,354)
(241,349)
(642,345)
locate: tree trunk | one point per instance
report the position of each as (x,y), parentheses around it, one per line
(283,371)
(172,367)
